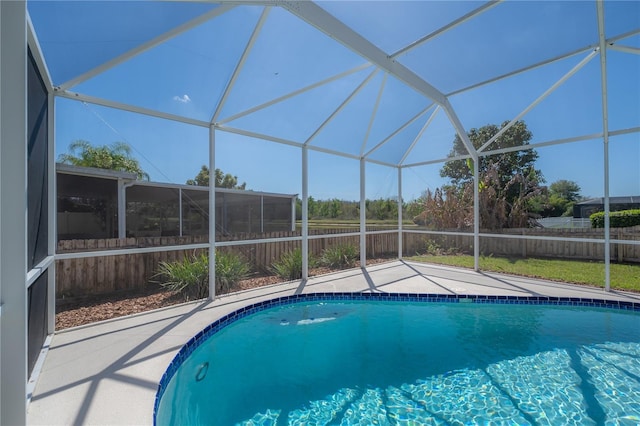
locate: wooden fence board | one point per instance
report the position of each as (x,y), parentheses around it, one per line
(104,274)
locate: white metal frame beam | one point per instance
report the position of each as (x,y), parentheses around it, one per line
(420,133)
(327,23)
(374,113)
(626,49)
(591,136)
(212,213)
(446,28)
(305,213)
(400,205)
(605,140)
(52,224)
(524,69)
(294,93)
(297,144)
(146,46)
(241,62)
(344,103)
(130,108)
(540,98)
(398,130)
(32,40)
(363,214)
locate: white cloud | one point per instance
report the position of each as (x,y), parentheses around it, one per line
(184,99)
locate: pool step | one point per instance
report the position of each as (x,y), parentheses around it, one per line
(269,418)
(543,388)
(324,411)
(465,397)
(615,371)
(402,410)
(368,410)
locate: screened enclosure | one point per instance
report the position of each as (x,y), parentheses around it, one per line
(164,210)
(95,203)
(462,114)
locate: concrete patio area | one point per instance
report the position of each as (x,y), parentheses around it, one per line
(108,373)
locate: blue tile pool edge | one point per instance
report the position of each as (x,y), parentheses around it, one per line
(243,312)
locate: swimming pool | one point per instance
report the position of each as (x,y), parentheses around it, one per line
(393,359)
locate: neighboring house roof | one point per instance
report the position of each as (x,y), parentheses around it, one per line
(94,172)
(632,199)
(114,174)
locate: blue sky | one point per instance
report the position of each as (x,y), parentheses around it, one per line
(187,76)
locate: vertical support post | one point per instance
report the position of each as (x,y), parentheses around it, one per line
(122,209)
(180,210)
(262,213)
(476,214)
(400,235)
(13,212)
(363,215)
(605,138)
(52,214)
(212,212)
(293,214)
(305,213)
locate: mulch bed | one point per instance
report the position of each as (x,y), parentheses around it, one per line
(81,311)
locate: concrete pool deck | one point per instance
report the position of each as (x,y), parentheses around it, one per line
(108,372)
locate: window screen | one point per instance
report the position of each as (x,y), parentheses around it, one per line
(37,233)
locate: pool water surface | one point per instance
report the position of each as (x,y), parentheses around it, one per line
(376,362)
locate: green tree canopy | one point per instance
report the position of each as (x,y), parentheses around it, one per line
(116,156)
(565,189)
(507,182)
(507,165)
(222,180)
(557,200)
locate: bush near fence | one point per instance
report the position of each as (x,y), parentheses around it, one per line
(619,219)
(90,276)
(133,272)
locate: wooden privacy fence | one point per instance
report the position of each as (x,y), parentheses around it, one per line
(502,245)
(131,272)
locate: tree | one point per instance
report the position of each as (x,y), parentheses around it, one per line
(507,181)
(565,189)
(116,156)
(507,164)
(222,180)
(557,200)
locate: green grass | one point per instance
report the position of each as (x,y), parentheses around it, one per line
(623,276)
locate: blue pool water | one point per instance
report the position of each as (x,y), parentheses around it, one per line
(373,362)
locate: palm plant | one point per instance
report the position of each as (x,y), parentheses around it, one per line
(289,267)
(116,156)
(190,276)
(340,256)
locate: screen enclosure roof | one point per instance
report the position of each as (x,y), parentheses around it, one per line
(389,81)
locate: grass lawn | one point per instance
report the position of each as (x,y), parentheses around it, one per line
(623,277)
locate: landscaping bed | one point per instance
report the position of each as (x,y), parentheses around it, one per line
(81,311)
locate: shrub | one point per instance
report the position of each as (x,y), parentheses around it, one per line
(230,268)
(190,276)
(289,267)
(340,256)
(619,219)
(433,248)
